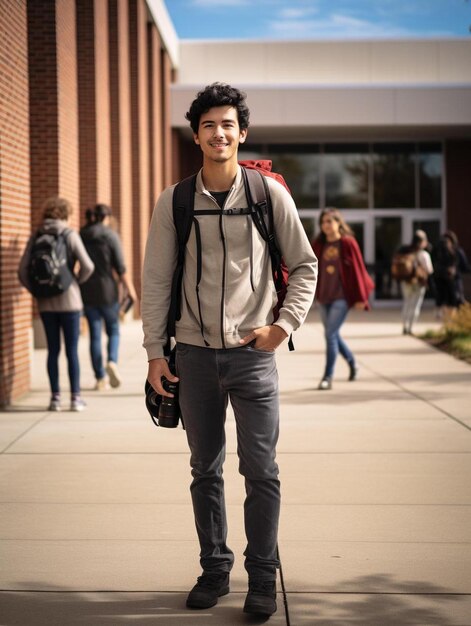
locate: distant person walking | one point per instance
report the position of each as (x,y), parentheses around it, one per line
(413,288)
(101,294)
(450,263)
(343,283)
(47,270)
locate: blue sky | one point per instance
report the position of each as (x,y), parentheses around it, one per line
(319,19)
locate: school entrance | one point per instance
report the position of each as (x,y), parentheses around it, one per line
(385,191)
(379,234)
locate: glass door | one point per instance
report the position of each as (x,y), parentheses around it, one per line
(388,238)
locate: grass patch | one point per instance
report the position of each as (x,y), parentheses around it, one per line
(455,335)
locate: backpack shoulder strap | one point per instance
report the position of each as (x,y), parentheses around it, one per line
(183,205)
(259,199)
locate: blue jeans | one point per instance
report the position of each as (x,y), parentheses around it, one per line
(69,322)
(333,316)
(248,377)
(110,315)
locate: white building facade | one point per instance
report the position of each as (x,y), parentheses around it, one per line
(379,129)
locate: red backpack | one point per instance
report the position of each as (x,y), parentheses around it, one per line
(261,211)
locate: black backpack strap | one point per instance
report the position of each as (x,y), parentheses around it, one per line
(259,200)
(183,204)
(70,259)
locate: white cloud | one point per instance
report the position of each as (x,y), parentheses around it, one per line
(336,25)
(296,13)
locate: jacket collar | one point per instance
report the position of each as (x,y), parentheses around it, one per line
(200,188)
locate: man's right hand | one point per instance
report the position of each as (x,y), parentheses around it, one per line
(157,369)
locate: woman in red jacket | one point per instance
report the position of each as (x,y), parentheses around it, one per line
(343,283)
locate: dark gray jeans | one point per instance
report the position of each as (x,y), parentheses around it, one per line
(248,377)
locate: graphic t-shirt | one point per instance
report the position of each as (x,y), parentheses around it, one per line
(330,286)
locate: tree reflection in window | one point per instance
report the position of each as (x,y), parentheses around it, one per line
(346,176)
(394,176)
(301,172)
(430,176)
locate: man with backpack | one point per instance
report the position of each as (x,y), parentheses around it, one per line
(226,336)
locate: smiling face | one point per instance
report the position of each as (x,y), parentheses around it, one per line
(219,134)
(330,226)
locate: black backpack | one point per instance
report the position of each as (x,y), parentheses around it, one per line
(261,211)
(49,270)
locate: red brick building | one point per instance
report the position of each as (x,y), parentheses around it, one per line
(84,114)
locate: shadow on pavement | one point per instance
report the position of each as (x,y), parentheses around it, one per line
(315,396)
(384,602)
(51,608)
(373,601)
(24,409)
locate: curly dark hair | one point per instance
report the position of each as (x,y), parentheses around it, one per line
(217,95)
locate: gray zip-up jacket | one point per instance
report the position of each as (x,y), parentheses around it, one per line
(236,291)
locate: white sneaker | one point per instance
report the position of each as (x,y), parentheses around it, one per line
(77,404)
(101,384)
(55,405)
(113,373)
(325,384)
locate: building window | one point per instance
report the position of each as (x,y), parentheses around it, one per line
(394,176)
(301,169)
(430,176)
(358,176)
(345,171)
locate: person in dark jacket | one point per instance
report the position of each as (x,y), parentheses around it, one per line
(343,283)
(101,294)
(452,263)
(61,312)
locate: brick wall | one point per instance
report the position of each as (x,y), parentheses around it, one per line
(120,118)
(84,113)
(15,223)
(53,104)
(166,118)
(102,107)
(93,103)
(67,110)
(155,114)
(141,209)
(43,96)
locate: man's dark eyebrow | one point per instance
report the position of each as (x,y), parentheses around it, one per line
(223,121)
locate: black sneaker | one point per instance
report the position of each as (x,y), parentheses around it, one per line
(261,598)
(353,371)
(208,589)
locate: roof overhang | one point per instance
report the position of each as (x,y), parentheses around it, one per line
(302,111)
(168,35)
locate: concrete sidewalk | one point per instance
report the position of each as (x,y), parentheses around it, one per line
(96,525)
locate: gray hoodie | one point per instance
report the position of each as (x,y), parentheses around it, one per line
(70,300)
(237,294)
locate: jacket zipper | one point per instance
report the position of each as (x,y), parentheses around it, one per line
(223,280)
